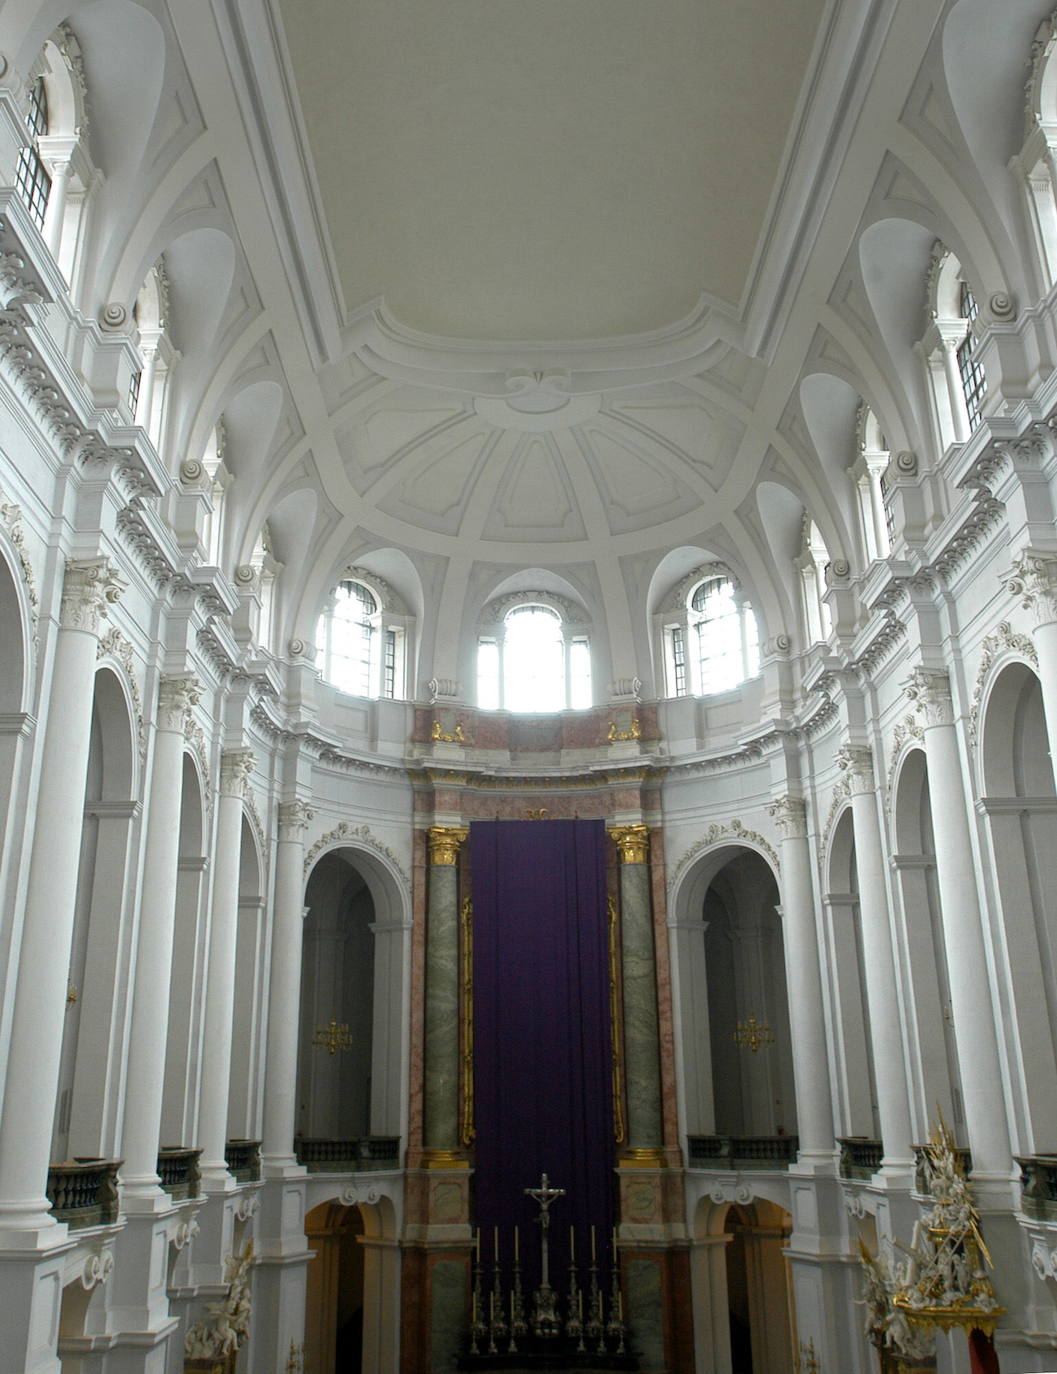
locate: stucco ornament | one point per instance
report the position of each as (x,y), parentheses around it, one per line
(227,1324)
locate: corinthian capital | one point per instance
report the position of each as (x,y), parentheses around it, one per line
(1033,580)
(176,696)
(89,586)
(235,767)
(930,691)
(790,815)
(294,817)
(632,842)
(856,762)
(444,844)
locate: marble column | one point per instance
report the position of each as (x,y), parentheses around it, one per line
(1034,581)
(235,768)
(807,1023)
(886,1029)
(33,1061)
(441,1056)
(972,1010)
(642,1062)
(284,988)
(157,915)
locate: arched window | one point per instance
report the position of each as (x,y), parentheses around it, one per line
(711,644)
(812,564)
(148,384)
(360,641)
(869,475)
(537,661)
(957,381)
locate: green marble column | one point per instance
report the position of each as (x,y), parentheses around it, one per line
(441,1057)
(641,1034)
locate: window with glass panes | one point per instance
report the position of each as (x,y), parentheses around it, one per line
(31,176)
(974,380)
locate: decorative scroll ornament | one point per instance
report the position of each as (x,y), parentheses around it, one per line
(225,1328)
(930,691)
(294,817)
(1004,640)
(236,765)
(1033,580)
(632,842)
(176,696)
(943,1282)
(359,835)
(856,763)
(97,1269)
(732,830)
(11,519)
(790,816)
(906,733)
(444,844)
(90,587)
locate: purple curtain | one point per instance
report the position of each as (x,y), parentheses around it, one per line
(542,1041)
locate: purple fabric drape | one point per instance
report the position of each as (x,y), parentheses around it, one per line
(542,1040)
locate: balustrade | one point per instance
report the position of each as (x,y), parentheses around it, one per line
(179,1172)
(1038,1177)
(742,1151)
(243,1158)
(860,1157)
(322,1155)
(83,1192)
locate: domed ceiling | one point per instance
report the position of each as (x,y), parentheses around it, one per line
(546,169)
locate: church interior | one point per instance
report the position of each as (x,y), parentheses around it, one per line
(528,686)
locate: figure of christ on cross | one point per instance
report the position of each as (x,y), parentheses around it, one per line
(545,1317)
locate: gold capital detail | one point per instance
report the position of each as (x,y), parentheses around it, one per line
(632,842)
(444,843)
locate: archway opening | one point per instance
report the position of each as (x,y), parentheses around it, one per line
(758,1312)
(334,1320)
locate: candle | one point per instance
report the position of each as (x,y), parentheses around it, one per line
(592,1245)
(572,1245)
(517,1246)
(495,1244)
(477,1246)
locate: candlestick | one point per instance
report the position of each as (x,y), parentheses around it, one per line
(517,1246)
(572,1244)
(495,1244)
(477,1245)
(592,1245)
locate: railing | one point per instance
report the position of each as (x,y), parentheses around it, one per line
(742,1151)
(243,1158)
(860,1157)
(921,1173)
(1038,1177)
(178,1171)
(326,1156)
(83,1192)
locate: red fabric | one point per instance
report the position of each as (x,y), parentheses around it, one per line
(982,1357)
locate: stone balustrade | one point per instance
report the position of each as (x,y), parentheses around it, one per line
(860,1157)
(243,1158)
(83,1192)
(742,1151)
(179,1172)
(331,1156)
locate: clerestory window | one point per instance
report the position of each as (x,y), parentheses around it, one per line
(714,645)
(974,380)
(537,662)
(31,176)
(359,644)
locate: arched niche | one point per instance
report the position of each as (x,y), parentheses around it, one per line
(87,1119)
(249,1032)
(188,972)
(894,261)
(355,973)
(934,1073)
(830,407)
(729,964)
(844,970)
(1020,806)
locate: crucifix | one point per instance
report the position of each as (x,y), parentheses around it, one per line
(545,1317)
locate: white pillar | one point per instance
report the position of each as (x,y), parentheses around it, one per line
(150,998)
(284,988)
(955,391)
(972,1008)
(886,1029)
(40,1002)
(145,399)
(235,767)
(55,213)
(876,464)
(807,1024)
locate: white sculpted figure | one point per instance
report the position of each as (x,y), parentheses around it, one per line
(227,1324)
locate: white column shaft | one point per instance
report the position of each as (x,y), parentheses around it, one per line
(959,413)
(40,1003)
(284,1001)
(971,1005)
(150,1004)
(886,1031)
(807,1025)
(220,988)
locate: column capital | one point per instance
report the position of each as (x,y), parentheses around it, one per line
(1033,580)
(856,762)
(445,842)
(89,586)
(790,815)
(930,691)
(294,817)
(235,767)
(176,695)
(632,842)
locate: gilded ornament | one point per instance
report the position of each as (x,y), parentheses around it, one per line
(441,736)
(632,842)
(444,844)
(634,731)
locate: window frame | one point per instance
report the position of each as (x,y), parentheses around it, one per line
(575,635)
